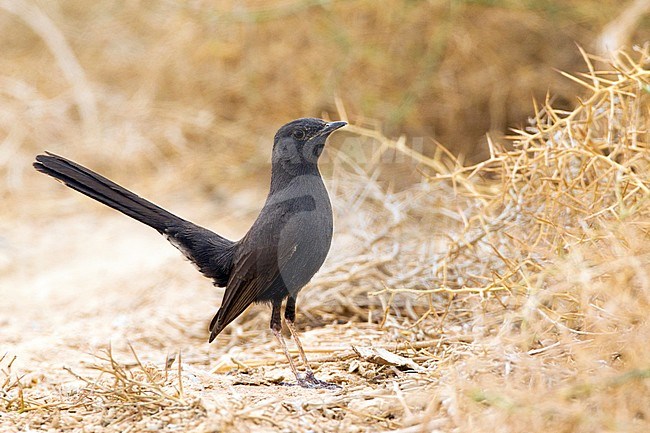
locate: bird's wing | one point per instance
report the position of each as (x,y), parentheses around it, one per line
(260,257)
(255,270)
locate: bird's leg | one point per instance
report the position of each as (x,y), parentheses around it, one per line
(310,380)
(289,318)
(276,328)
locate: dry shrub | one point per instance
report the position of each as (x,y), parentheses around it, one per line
(570,176)
(540,283)
(572,357)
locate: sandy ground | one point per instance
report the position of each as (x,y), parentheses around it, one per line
(83,279)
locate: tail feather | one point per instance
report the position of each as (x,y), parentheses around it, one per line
(210,252)
(105,191)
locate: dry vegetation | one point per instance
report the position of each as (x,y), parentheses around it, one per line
(509,295)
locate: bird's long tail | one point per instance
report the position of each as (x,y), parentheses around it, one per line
(105,191)
(210,252)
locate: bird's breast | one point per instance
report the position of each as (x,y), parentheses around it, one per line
(305,235)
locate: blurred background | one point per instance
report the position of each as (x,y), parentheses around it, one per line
(198,88)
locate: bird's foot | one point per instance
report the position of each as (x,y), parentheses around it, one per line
(310,381)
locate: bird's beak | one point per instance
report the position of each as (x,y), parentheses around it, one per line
(331,127)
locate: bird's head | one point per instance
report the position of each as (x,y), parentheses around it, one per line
(301,142)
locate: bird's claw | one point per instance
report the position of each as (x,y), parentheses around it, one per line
(310,381)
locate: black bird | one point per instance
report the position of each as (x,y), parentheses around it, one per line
(284,248)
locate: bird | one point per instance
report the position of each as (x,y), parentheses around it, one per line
(273,261)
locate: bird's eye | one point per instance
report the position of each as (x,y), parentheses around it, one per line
(298,134)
